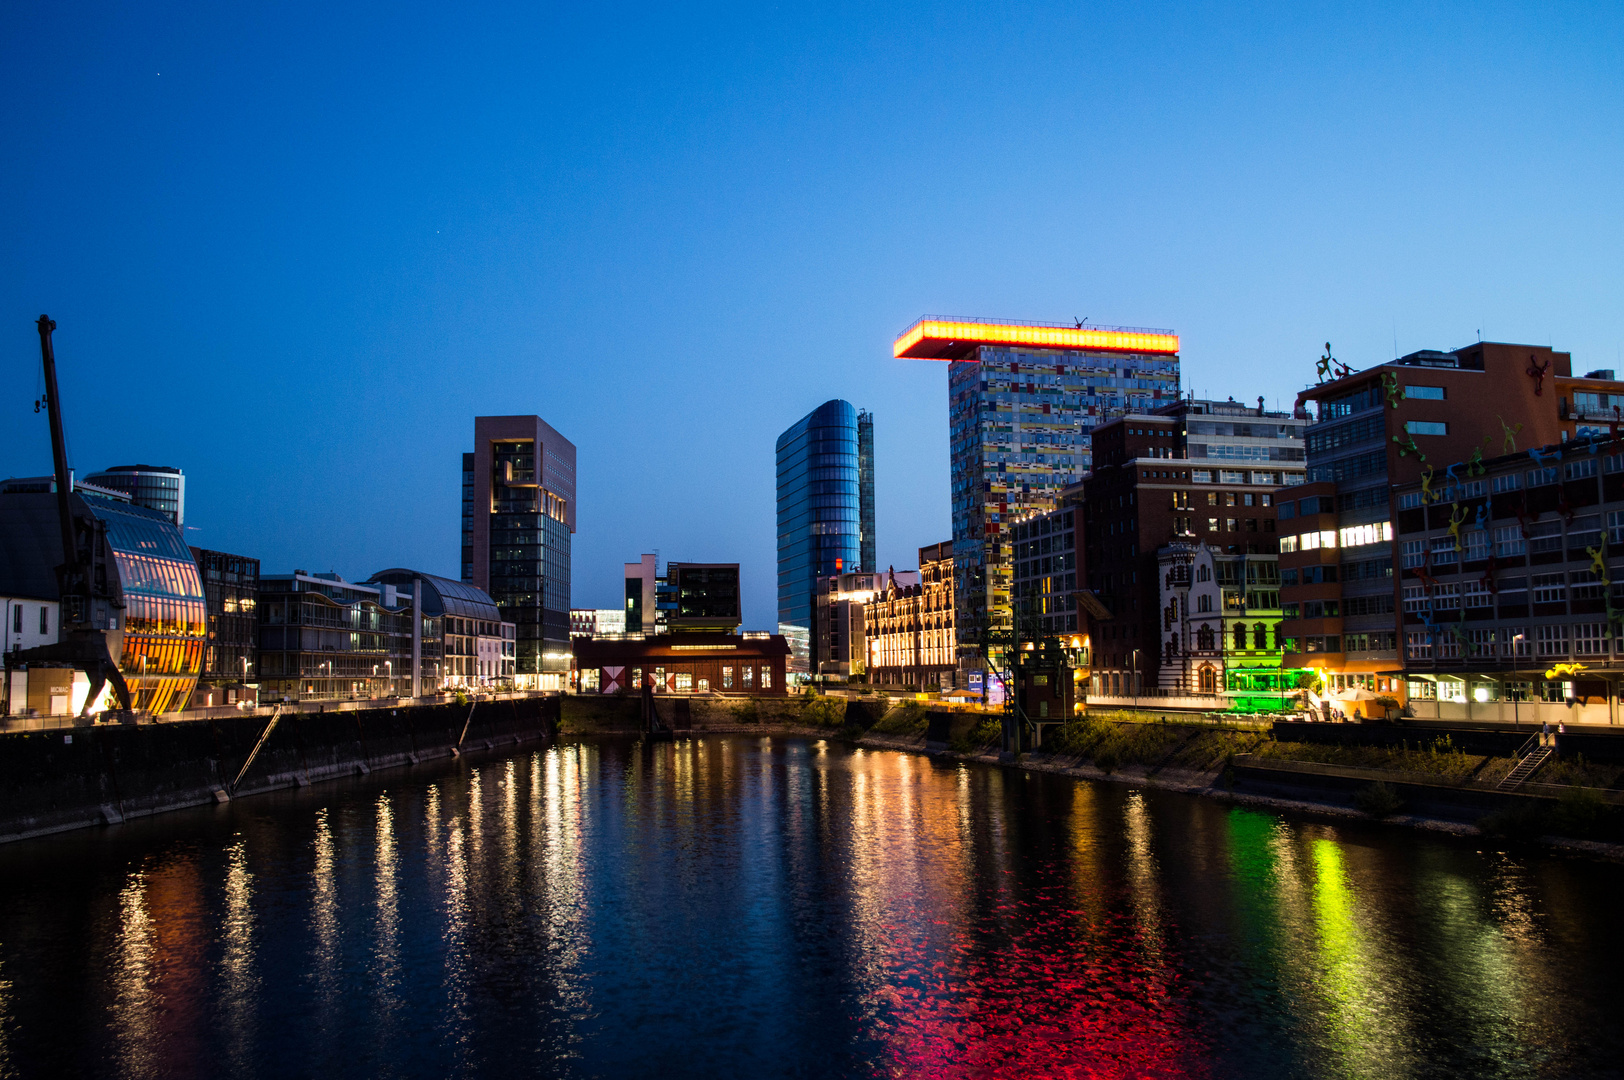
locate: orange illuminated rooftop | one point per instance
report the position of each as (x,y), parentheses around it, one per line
(936,337)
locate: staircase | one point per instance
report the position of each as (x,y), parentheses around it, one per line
(1533,756)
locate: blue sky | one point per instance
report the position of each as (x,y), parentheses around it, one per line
(294,249)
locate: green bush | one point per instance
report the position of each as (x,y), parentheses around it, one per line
(745,712)
(1580,812)
(827,712)
(1106,760)
(1523,820)
(908,718)
(1378,800)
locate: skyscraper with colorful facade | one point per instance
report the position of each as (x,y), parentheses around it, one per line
(1023,399)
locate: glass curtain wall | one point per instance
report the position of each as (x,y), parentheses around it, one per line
(819,510)
(165,618)
(530,560)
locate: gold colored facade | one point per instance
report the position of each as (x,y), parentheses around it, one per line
(910,628)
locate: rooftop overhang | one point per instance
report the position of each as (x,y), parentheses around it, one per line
(933,338)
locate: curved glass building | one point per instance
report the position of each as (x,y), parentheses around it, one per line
(825,513)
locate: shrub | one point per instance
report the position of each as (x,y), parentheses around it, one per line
(1522,820)
(1579,812)
(1106,760)
(1378,800)
(745,712)
(460,698)
(825,712)
(907,718)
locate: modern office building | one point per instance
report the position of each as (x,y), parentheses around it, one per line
(825,513)
(1430,416)
(478,646)
(1195,471)
(322,638)
(156,487)
(145,587)
(518,516)
(1023,399)
(590,622)
(1512,585)
(909,627)
(230,672)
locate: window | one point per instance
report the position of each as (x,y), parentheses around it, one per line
(1480,643)
(1538,477)
(1590,639)
(1414,553)
(1447,597)
(1585,531)
(1312,541)
(1425,427)
(44,619)
(766,678)
(1421,688)
(1230,525)
(1201,476)
(1615,527)
(1418,646)
(1212,524)
(1549,588)
(1410,500)
(1425,393)
(1508,541)
(1240,635)
(17,619)
(1203,603)
(1286,510)
(1586,585)
(1508,482)
(1212,498)
(748,676)
(1291,479)
(1231,476)
(1551,640)
(1360,535)
(727,677)
(1415,599)
(1513,641)
(1477,594)
(1554,692)
(1443,550)
(1579,470)
(1477,545)
(1449,649)
(1545,536)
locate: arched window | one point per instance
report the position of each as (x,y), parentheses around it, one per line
(1240,635)
(1172,646)
(1203,573)
(1203,603)
(1260,636)
(1277,635)
(1203,639)
(1209,681)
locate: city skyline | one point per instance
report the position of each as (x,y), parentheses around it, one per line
(470,219)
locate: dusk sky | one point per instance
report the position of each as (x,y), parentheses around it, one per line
(294,249)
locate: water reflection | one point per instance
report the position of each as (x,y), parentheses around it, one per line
(770,906)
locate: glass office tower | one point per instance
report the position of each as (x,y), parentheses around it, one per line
(156,487)
(518,516)
(1023,399)
(825,513)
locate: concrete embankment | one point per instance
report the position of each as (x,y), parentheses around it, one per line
(70,778)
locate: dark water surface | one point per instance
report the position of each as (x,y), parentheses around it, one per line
(769,907)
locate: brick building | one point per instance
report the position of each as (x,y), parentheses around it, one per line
(1196,471)
(1429,416)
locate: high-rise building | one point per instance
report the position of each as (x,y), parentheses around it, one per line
(156,487)
(1430,416)
(825,513)
(1023,399)
(518,514)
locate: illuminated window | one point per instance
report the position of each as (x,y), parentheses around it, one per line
(727,678)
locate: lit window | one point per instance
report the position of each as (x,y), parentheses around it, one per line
(1426,427)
